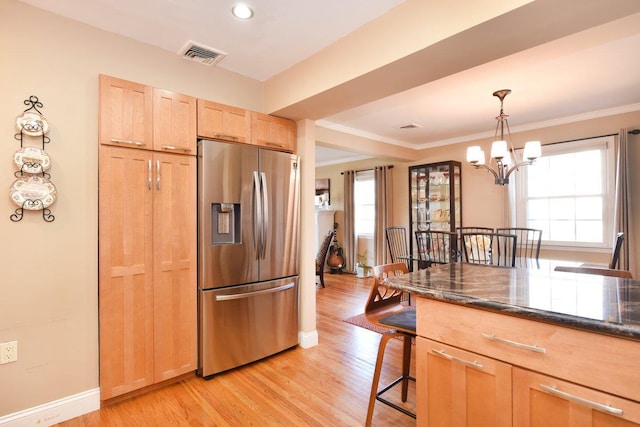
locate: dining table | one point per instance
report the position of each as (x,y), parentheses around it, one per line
(574,337)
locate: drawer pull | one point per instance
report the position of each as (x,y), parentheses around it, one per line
(473,364)
(272,144)
(595,405)
(176,148)
(127,142)
(535,348)
(225,136)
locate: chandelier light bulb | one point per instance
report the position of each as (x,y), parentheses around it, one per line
(499,150)
(532,150)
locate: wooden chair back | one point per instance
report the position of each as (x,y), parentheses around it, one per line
(321,256)
(384,301)
(625,274)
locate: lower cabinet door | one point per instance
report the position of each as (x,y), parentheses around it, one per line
(460,388)
(541,401)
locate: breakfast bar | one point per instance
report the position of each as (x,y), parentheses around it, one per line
(522,347)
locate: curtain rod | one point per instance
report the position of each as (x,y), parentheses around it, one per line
(631,132)
(370,169)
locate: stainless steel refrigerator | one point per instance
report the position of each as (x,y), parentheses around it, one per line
(248,218)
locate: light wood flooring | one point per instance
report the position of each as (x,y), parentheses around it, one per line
(326,385)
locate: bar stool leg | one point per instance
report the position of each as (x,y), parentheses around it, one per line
(406,364)
(376,374)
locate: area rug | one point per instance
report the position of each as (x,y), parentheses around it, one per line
(360,320)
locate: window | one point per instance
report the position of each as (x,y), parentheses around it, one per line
(364,201)
(568,193)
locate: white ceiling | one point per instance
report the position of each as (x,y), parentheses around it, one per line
(588,74)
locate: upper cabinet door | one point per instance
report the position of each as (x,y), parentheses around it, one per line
(222,122)
(126,113)
(273,132)
(174,122)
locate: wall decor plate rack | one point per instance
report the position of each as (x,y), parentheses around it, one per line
(32,190)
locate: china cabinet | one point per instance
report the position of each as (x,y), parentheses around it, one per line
(434,198)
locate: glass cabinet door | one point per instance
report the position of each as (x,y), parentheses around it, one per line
(434,198)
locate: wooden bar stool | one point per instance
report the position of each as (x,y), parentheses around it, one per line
(385,308)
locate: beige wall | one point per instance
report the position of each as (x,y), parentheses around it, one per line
(49,271)
(484,203)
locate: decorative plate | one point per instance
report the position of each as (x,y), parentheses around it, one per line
(37,192)
(32,160)
(32,124)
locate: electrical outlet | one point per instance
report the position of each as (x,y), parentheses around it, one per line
(8,352)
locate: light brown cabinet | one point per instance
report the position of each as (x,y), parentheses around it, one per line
(541,400)
(126,113)
(174,122)
(223,122)
(126,271)
(273,132)
(147,254)
(464,388)
(560,375)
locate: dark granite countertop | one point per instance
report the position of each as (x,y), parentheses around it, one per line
(590,302)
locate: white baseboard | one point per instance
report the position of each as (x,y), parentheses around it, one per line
(308,339)
(55,412)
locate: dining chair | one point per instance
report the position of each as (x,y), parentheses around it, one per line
(461,230)
(528,248)
(615,256)
(397,243)
(625,274)
(385,308)
(490,248)
(437,247)
(321,256)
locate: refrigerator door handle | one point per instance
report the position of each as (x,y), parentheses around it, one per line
(265,215)
(257,220)
(253,294)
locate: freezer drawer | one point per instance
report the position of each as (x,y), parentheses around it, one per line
(241,324)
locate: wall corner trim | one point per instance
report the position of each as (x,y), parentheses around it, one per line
(306,339)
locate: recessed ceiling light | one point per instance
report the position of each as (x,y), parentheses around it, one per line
(242,11)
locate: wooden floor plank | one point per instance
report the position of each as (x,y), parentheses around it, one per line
(326,385)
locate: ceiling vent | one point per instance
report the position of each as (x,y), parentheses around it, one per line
(410,126)
(200,53)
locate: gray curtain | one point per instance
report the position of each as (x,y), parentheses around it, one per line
(383,207)
(622,204)
(349,235)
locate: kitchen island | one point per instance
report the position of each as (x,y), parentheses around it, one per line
(524,347)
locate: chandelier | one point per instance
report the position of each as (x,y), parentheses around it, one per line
(499,150)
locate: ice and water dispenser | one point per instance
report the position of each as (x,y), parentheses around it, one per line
(225,223)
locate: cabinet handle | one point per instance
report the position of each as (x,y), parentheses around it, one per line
(226,136)
(595,405)
(473,364)
(535,348)
(158,174)
(272,144)
(127,142)
(149,175)
(176,148)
